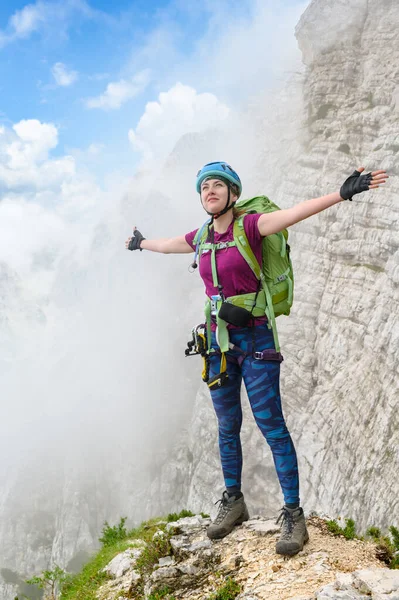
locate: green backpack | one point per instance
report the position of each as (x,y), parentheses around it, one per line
(276,273)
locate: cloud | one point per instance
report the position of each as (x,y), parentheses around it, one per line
(253,50)
(24,158)
(62,75)
(36,16)
(23,22)
(178,111)
(119,92)
(46,202)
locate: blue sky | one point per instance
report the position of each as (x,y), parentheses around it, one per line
(97,43)
(92,91)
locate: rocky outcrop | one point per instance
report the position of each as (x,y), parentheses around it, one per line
(195,567)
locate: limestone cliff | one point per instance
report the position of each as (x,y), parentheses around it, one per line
(340,378)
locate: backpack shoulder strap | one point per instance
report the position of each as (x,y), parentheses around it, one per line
(242,243)
(200,238)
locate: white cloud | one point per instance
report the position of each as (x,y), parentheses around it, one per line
(45,202)
(41,14)
(62,75)
(178,111)
(119,92)
(23,22)
(24,157)
(30,223)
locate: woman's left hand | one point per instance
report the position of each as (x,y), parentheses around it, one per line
(357,183)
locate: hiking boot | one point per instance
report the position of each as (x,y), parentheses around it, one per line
(232,511)
(293,531)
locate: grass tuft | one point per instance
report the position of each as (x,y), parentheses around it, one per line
(228,591)
(348,532)
(181,515)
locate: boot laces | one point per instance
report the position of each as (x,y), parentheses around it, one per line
(287,523)
(224,508)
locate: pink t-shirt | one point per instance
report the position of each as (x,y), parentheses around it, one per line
(234,274)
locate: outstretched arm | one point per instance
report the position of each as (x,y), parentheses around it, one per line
(281,219)
(176,245)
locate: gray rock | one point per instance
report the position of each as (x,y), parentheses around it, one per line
(200,545)
(122,562)
(381,584)
(166,561)
(330,592)
(262,527)
(188,569)
(164,573)
(377,584)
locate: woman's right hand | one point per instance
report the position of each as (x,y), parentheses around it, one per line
(134,242)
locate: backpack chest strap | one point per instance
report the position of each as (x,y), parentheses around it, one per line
(213,248)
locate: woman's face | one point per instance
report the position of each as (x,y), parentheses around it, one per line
(214,194)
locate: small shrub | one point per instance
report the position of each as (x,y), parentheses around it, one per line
(228,591)
(50,581)
(387,549)
(374,533)
(204,515)
(349,529)
(158,547)
(111,535)
(334,528)
(395,536)
(181,515)
(348,532)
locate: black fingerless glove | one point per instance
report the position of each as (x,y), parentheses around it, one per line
(136,240)
(355,184)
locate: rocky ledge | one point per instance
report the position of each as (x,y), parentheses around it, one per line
(195,568)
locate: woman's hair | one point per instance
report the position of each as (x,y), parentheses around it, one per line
(238,212)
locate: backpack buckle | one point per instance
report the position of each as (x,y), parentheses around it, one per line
(258,355)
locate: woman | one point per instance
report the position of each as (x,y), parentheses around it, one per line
(220,187)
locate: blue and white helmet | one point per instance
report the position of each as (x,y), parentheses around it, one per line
(218,170)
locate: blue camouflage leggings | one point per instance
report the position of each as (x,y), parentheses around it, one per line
(262,382)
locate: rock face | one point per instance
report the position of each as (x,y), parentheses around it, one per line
(340,379)
(346,424)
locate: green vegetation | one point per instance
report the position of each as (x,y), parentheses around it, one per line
(181,515)
(349,531)
(228,591)
(374,533)
(158,547)
(50,582)
(85,584)
(387,547)
(111,535)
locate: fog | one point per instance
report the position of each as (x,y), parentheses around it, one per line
(93,376)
